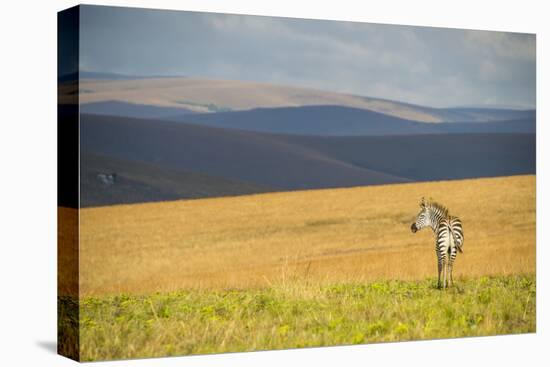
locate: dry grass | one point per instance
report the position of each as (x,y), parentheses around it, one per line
(323,236)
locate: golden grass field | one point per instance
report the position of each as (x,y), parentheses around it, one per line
(293,269)
(334,235)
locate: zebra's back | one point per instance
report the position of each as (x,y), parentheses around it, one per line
(458,234)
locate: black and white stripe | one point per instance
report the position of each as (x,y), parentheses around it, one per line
(449,236)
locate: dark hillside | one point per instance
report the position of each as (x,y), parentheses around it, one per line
(293,162)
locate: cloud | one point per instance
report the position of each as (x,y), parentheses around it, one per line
(431,66)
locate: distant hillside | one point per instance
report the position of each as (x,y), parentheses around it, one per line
(108,181)
(202,95)
(477,114)
(262,159)
(124,109)
(292,162)
(342,121)
(432,157)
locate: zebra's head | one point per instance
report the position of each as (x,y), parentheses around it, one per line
(423,219)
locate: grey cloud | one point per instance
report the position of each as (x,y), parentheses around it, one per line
(430,66)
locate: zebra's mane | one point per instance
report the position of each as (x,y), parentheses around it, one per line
(440,208)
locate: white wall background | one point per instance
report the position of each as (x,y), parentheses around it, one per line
(28,182)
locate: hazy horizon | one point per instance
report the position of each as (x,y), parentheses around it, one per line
(437,67)
(168,76)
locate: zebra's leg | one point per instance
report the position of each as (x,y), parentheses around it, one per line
(451,270)
(445,266)
(451,263)
(439,268)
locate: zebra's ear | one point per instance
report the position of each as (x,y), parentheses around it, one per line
(423,203)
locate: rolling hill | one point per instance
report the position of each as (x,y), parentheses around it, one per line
(294,162)
(203,95)
(432,157)
(124,109)
(344,121)
(138,182)
(232,154)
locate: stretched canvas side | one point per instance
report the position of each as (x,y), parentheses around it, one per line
(68,340)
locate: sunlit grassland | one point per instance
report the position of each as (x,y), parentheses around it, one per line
(335,235)
(302,315)
(297,269)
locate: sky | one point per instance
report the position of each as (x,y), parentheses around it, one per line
(436,67)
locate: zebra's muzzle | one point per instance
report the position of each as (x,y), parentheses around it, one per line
(413,228)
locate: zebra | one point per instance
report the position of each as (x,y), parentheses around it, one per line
(449,236)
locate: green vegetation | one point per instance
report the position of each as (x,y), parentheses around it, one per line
(299,314)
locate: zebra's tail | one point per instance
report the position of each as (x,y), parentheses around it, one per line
(458,242)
